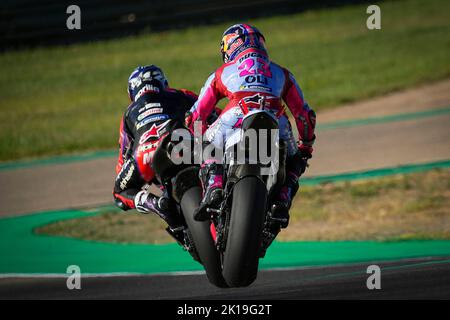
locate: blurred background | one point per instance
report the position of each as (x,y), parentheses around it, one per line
(380,168)
(53,89)
(41,22)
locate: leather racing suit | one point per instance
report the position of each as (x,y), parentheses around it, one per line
(247,80)
(143,118)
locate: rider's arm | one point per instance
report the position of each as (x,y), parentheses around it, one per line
(124,144)
(189,99)
(305,117)
(191,96)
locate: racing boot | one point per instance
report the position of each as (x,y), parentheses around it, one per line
(280,207)
(211,175)
(149,203)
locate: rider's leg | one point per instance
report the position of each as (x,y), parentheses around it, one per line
(128,194)
(127,184)
(211,170)
(295,166)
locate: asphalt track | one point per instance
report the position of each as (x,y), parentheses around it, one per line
(424,278)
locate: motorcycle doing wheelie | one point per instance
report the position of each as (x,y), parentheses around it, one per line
(238,233)
(254,171)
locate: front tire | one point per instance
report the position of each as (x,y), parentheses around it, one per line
(241,257)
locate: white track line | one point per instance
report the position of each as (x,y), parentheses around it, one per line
(98,275)
(200,272)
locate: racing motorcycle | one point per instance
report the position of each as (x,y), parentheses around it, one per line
(238,233)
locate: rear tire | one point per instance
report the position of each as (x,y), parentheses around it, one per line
(241,257)
(201,235)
